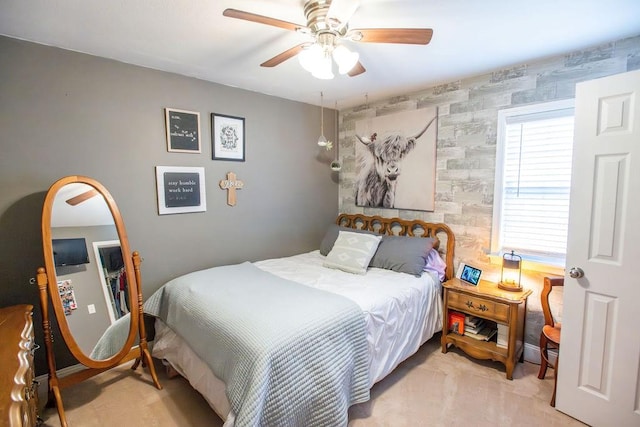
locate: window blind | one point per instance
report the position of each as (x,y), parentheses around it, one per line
(536,182)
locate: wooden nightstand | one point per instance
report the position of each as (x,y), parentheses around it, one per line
(489,302)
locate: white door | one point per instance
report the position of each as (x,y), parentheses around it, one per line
(598,380)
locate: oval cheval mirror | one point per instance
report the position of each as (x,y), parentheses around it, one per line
(93,281)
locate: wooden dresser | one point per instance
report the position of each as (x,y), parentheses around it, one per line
(18,389)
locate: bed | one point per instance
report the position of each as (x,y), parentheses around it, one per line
(320,331)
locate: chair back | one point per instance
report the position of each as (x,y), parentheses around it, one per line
(549,284)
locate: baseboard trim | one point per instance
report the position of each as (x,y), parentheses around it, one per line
(42,379)
(532,354)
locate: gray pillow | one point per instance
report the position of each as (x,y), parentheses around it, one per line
(405,254)
(352,252)
(332,234)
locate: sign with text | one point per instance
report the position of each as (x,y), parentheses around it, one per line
(180,189)
(183,131)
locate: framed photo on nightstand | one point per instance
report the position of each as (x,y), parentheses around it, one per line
(468,274)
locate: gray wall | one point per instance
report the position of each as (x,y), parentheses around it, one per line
(466,145)
(64,113)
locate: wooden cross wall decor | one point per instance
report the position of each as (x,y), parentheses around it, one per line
(231,184)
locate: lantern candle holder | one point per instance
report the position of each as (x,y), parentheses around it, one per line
(511,272)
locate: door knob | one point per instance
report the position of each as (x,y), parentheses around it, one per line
(576,273)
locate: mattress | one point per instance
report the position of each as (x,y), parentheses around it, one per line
(401,312)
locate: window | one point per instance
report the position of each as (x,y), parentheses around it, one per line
(533,181)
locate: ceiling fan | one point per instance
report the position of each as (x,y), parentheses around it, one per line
(82,197)
(327,26)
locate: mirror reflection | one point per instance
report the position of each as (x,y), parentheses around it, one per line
(89,266)
(113,278)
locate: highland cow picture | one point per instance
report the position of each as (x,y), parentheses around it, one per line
(396,160)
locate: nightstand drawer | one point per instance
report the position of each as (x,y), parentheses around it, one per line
(492,310)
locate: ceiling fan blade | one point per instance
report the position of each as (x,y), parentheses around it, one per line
(341,11)
(76,200)
(280,58)
(392,35)
(248,16)
(356,70)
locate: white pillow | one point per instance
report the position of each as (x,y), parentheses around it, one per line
(352,252)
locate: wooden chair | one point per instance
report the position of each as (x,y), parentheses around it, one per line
(550,335)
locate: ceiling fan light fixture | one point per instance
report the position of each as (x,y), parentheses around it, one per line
(327,25)
(310,57)
(323,69)
(345,59)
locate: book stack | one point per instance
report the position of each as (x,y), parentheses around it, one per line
(478,328)
(473,324)
(503,336)
(456,322)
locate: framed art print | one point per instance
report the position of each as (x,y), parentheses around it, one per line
(183,131)
(180,189)
(404,145)
(227,134)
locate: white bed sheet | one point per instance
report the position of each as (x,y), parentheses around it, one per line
(401,312)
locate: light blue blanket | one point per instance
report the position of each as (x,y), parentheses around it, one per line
(290,355)
(113,339)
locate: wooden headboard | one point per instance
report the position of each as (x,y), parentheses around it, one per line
(403,227)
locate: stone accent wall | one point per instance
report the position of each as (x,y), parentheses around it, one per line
(466,144)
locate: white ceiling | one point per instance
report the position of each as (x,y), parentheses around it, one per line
(191,37)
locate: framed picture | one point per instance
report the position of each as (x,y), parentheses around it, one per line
(183,130)
(227,134)
(407,141)
(180,189)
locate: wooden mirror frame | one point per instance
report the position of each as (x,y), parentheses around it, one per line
(47,283)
